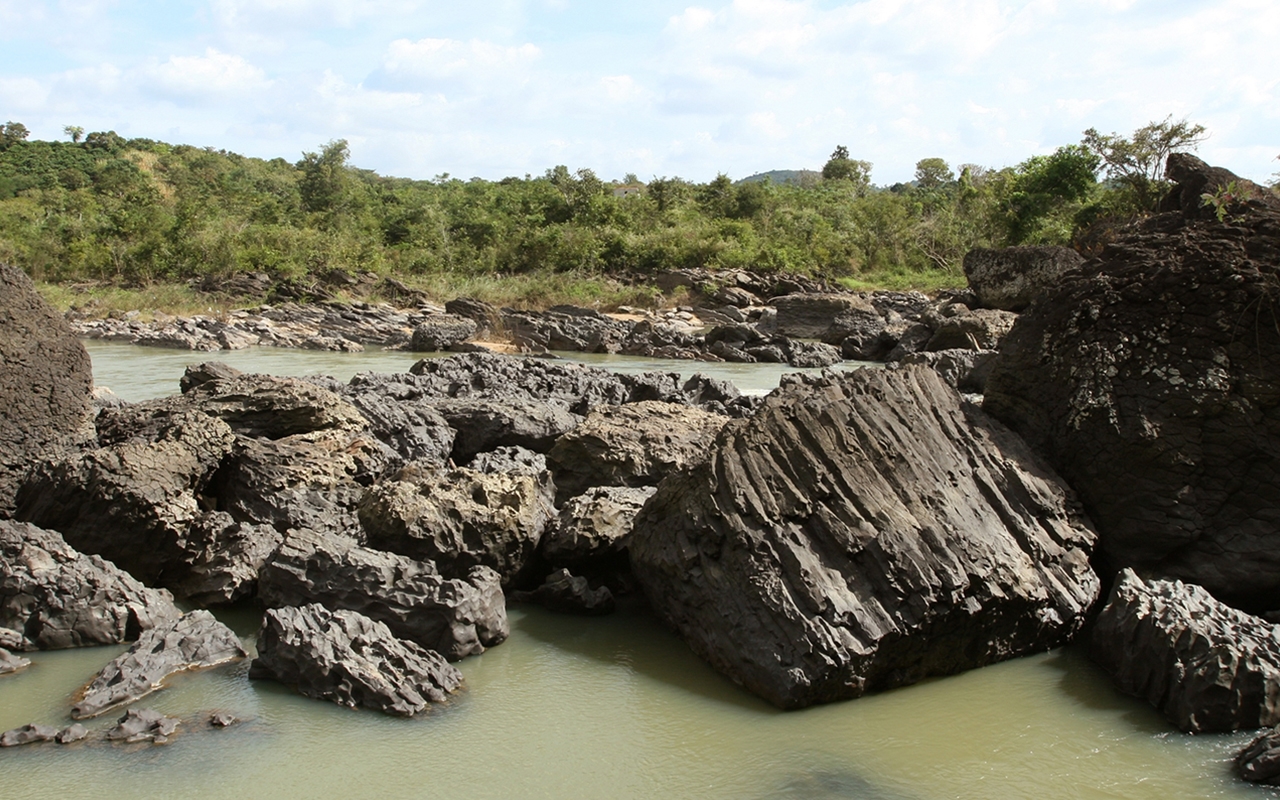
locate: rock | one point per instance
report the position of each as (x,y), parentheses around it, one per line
(221,719)
(351,660)
(1011,278)
(1204,665)
(28,734)
(569,594)
(513,460)
(195,641)
(963,370)
(456,618)
(637,444)
(907,340)
(74,732)
(735,296)
(810,354)
(441,332)
(1150,379)
(1259,761)
(1194,179)
(972,330)
(594,525)
(863,531)
(9,663)
(486,424)
(224,557)
(460,518)
(271,407)
(809,316)
(566,328)
(143,725)
(575,387)
(46,382)
(857,329)
(56,597)
(401,418)
(200,374)
(485,316)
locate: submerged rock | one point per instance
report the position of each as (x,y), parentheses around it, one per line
(864,531)
(351,660)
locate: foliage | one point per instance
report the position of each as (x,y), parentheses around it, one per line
(842,168)
(1137,163)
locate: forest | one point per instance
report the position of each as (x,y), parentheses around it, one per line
(102,210)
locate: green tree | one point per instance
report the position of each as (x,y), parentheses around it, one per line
(325,180)
(11,133)
(1137,163)
(932,173)
(75,132)
(840,167)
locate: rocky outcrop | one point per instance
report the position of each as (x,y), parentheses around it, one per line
(54,597)
(1204,665)
(401,417)
(980,329)
(1011,278)
(864,531)
(594,525)
(637,444)
(351,660)
(46,382)
(515,460)
(455,617)
(808,316)
(1150,379)
(579,330)
(460,518)
(440,332)
(195,641)
(28,734)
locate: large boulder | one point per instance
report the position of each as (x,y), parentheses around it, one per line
(46,382)
(455,617)
(1150,379)
(1204,665)
(810,315)
(1011,278)
(351,660)
(440,332)
(54,597)
(223,557)
(863,531)
(595,525)
(483,425)
(982,329)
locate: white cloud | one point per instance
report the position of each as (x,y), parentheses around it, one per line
(448,58)
(213,73)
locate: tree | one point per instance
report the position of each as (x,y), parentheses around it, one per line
(324,177)
(842,168)
(932,173)
(74,131)
(11,133)
(1137,163)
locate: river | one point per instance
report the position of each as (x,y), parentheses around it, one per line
(613,707)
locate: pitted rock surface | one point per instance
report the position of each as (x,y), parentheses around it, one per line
(864,531)
(1011,278)
(594,525)
(223,558)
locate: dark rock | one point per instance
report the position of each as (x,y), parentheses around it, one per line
(861,324)
(594,525)
(75,732)
(460,518)
(632,445)
(271,407)
(486,424)
(1259,761)
(513,460)
(457,618)
(9,663)
(863,531)
(1194,179)
(46,382)
(485,316)
(1204,665)
(440,332)
(907,305)
(400,417)
(55,597)
(223,558)
(1150,379)
(575,387)
(28,734)
(810,354)
(1011,278)
(569,594)
(351,660)
(972,330)
(911,339)
(203,373)
(735,296)
(809,316)
(221,719)
(143,725)
(566,328)
(963,370)
(195,641)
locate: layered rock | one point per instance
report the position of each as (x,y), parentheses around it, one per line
(1204,665)
(864,531)
(54,597)
(1011,278)
(351,660)
(1150,379)
(455,617)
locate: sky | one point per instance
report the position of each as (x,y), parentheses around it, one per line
(492,88)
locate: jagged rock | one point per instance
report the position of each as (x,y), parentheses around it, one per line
(456,618)
(272,407)
(972,330)
(143,725)
(515,460)
(810,354)
(575,387)
(224,557)
(75,732)
(195,641)
(1194,179)
(441,332)
(907,340)
(963,370)
(637,444)
(10,663)
(566,328)
(485,316)
(1011,278)
(863,531)
(809,316)
(56,597)
(460,518)
(1204,665)
(565,593)
(46,382)
(1150,379)
(485,424)
(400,417)
(199,374)
(28,734)
(594,525)
(351,660)
(735,296)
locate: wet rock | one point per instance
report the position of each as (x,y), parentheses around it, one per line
(46,382)
(486,424)
(1204,665)
(982,329)
(441,332)
(143,725)
(55,597)
(28,734)
(863,531)
(457,618)
(594,525)
(10,663)
(809,316)
(460,518)
(1011,278)
(351,660)
(74,732)
(633,445)
(565,593)
(195,641)
(1150,379)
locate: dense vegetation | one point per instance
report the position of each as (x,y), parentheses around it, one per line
(138,212)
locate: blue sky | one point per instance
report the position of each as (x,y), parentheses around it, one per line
(492,88)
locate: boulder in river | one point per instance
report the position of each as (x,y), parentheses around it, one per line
(565,593)
(9,663)
(483,425)
(864,531)
(1259,761)
(28,734)
(809,315)
(440,332)
(351,660)
(143,725)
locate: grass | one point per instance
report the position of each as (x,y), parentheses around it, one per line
(103,300)
(900,281)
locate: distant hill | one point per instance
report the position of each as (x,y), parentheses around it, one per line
(802,177)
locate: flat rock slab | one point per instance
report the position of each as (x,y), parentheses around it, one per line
(1204,665)
(351,660)
(864,531)
(196,641)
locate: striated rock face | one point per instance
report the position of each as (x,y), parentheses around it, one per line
(1011,278)
(457,618)
(351,660)
(864,531)
(195,641)
(460,518)
(633,445)
(1206,666)
(55,597)
(46,382)
(1150,379)
(963,370)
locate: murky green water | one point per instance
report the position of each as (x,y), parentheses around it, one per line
(617,707)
